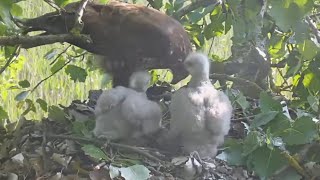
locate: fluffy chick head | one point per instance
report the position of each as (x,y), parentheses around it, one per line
(197,64)
(140,81)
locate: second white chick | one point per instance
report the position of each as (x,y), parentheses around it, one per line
(124,113)
(200,114)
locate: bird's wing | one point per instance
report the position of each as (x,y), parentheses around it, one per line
(110,99)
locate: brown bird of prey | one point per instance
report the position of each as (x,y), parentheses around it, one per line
(128,37)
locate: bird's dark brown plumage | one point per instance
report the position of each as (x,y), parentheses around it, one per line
(128,36)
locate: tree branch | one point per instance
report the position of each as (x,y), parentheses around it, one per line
(193,6)
(314,28)
(34,41)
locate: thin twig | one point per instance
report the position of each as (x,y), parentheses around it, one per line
(12,57)
(60,54)
(40,82)
(102,143)
(193,6)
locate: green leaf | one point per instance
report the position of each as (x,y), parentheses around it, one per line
(303,131)
(233,152)
(62,3)
(94,152)
(22,96)
(3,28)
(58,64)
(130,173)
(279,124)
(251,143)
(24,84)
(56,114)
(80,128)
(16,10)
(103,1)
(265,161)
(268,104)
(242,101)
(30,107)
(277,47)
(308,49)
(3,114)
(314,103)
(263,118)
(76,73)
(288,13)
(43,104)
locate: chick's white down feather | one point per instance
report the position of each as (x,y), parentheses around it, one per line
(200,114)
(123,112)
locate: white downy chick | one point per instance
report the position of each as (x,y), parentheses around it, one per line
(123,113)
(200,114)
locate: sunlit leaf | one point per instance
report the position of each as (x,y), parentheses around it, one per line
(16,10)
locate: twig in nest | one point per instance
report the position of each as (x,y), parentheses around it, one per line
(43,147)
(102,143)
